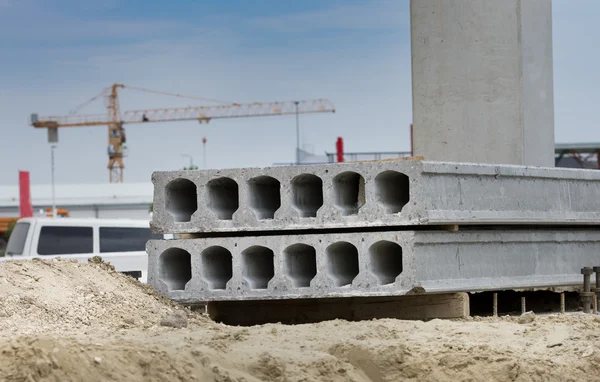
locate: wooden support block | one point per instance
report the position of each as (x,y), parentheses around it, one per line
(190,235)
(448,228)
(414,307)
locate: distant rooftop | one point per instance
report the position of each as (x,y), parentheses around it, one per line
(587,147)
(81,194)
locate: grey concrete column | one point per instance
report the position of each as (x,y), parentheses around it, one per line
(483,81)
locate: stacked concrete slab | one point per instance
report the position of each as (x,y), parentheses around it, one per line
(371,229)
(378,228)
(371,194)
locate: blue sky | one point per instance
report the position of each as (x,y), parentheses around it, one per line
(57,54)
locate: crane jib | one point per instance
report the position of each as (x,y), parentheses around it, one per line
(203,114)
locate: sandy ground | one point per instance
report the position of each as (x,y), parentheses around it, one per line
(62,321)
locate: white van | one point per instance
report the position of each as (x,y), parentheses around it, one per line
(121,242)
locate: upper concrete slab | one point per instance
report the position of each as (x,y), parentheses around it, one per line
(372,194)
(482,81)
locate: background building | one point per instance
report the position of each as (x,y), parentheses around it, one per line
(106,200)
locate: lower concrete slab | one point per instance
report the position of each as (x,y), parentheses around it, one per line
(390,263)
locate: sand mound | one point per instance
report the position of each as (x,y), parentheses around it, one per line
(63,321)
(45,358)
(66,297)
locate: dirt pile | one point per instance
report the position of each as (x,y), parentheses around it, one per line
(62,296)
(63,321)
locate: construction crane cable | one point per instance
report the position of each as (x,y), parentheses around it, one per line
(182,96)
(81,106)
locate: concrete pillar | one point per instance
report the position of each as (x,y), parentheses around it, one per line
(482,81)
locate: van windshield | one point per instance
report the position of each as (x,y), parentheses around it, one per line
(16,242)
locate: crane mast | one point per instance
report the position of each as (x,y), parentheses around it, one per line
(203,114)
(116,137)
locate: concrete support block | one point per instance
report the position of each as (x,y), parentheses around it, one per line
(368,264)
(372,194)
(418,307)
(482,81)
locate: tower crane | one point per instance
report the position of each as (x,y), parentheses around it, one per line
(115,120)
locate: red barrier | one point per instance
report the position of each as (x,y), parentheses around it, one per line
(339,145)
(25,208)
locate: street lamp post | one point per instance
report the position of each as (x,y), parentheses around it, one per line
(52,175)
(204,153)
(297,134)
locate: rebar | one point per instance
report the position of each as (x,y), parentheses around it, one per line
(562,302)
(523,306)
